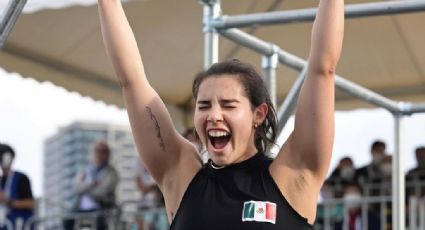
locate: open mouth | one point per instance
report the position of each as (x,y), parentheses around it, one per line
(219,138)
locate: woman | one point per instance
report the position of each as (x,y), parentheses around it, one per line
(240,188)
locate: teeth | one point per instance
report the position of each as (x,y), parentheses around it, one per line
(215,133)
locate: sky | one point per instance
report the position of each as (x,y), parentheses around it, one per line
(31,111)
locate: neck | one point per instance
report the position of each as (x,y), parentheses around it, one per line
(6,171)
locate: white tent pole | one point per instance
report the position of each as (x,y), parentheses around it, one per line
(304,15)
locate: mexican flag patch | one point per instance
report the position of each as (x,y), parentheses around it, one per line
(260,211)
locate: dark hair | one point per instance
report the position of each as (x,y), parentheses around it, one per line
(6,149)
(348,159)
(102,147)
(255,90)
(377,145)
(420,149)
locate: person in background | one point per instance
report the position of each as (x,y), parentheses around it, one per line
(373,171)
(353,204)
(344,173)
(152,200)
(418,173)
(16,199)
(415,178)
(415,183)
(386,169)
(95,187)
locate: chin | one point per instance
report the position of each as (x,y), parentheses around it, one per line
(219,159)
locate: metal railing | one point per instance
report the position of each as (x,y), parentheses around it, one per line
(127,216)
(376,203)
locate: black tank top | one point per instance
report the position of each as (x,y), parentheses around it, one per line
(240,196)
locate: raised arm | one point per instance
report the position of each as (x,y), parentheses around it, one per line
(160,145)
(304,159)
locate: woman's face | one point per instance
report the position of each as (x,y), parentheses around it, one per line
(224,120)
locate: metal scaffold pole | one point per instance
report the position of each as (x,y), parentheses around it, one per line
(269,64)
(305,15)
(288,105)
(8,18)
(398,198)
(211,11)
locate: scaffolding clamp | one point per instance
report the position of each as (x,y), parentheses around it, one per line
(271,61)
(212,11)
(405,108)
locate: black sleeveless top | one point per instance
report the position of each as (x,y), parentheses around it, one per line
(240,196)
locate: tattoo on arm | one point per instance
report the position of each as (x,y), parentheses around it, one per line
(157,128)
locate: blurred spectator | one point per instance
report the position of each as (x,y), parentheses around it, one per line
(418,173)
(353,203)
(373,171)
(416,176)
(151,199)
(16,200)
(344,173)
(386,169)
(95,187)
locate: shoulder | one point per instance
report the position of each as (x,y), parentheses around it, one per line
(21,175)
(362,170)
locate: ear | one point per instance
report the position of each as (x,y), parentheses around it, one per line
(260,113)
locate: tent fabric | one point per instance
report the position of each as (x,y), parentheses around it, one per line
(64,46)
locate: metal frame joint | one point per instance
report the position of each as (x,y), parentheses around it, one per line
(271,61)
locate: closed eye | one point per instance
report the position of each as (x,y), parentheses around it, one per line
(229,104)
(203,105)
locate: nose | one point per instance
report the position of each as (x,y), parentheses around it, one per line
(215,115)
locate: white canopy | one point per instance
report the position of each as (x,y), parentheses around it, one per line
(64,46)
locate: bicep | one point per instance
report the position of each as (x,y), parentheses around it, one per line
(158,142)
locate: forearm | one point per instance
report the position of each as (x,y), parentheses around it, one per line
(327,36)
(82,187)
(120,43)
(22,204)
(105,187)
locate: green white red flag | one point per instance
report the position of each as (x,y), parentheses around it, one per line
(259,211)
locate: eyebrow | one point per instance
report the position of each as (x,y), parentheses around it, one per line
(224,101)
(228,101)
(203,102)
